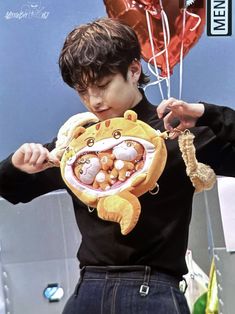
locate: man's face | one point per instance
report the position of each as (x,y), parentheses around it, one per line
(113,95)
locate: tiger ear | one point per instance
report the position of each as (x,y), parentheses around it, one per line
(78,131)
(130,115)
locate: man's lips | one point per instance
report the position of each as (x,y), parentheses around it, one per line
(101,111)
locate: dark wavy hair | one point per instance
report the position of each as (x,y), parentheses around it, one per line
(93,50)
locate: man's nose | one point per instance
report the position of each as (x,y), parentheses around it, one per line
(95,101)
(95,98)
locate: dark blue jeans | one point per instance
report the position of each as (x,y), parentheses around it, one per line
(126,290)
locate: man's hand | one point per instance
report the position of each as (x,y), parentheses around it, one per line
(32,158)
(186,113)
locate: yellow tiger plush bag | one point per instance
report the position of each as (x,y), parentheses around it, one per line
(110,164)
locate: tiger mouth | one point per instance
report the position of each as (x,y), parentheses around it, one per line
(140,166)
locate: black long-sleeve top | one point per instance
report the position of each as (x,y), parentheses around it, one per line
(161,234)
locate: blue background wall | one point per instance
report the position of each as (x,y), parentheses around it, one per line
(34,101)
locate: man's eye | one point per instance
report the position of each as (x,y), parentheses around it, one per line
(103,85)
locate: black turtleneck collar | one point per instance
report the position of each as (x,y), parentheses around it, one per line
(144,108)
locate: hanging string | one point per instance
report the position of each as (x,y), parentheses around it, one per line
(166,35)
(153,56)
(155,73)
(198,22)
(166,32)
(182,54)
(182,45)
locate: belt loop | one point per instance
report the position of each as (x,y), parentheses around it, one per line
(82,271)
(144,288)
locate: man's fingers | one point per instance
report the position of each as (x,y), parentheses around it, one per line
(167,120)
(167,105)
(34,153)
(161,108)
(25,152)
(53,161)
(43,155)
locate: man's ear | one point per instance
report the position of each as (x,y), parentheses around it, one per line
(134,71)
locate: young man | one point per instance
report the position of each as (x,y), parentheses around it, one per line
(140,272)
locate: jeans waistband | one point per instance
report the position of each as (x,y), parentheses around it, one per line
(141,272)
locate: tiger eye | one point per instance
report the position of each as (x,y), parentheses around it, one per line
(90,142)
(117,134)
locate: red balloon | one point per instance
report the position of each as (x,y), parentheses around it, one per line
(133,13)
